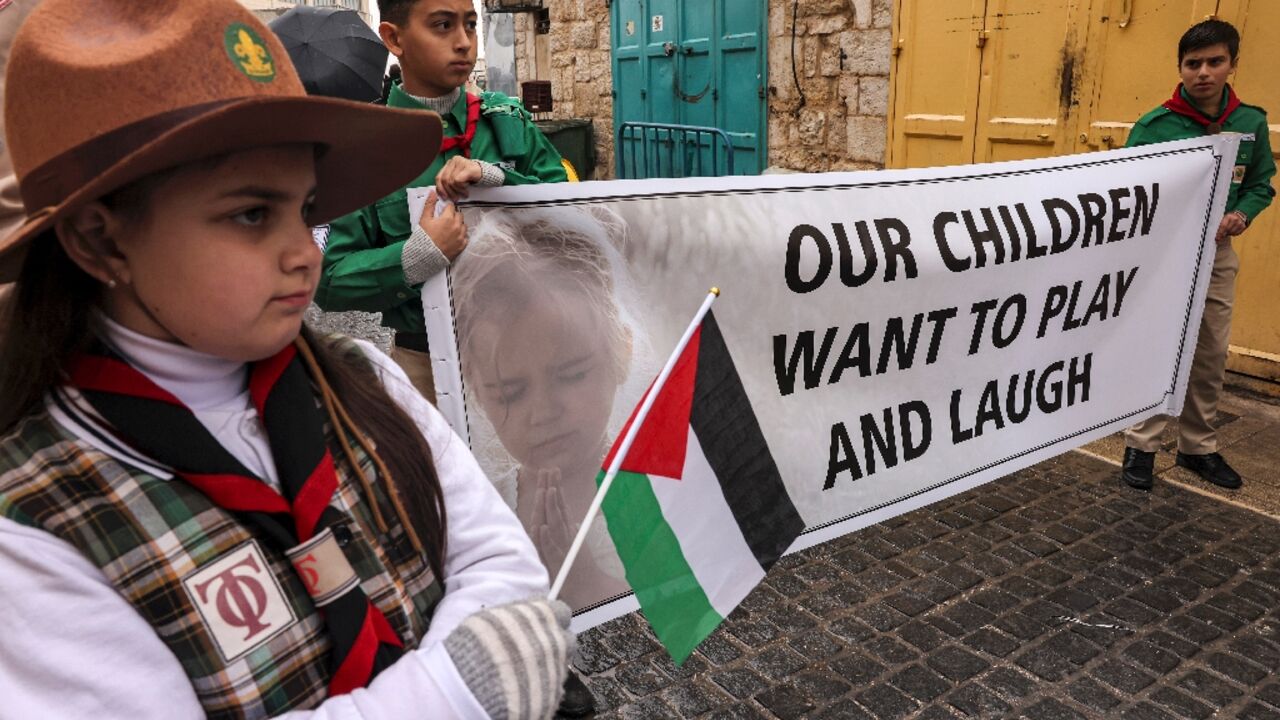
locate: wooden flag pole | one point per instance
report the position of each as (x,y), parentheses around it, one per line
(627,440)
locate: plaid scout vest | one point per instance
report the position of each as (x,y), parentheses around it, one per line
(228,605)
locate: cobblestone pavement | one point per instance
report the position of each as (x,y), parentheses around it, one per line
(1248,435)
(1055,592)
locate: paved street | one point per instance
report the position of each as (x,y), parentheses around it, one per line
(1051,593)
(1056,592)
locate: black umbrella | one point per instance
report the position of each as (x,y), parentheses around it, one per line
(336,53)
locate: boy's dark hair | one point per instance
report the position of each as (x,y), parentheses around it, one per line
(395,12)
(1201,35)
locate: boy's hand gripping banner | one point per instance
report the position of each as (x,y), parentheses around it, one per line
(903,336)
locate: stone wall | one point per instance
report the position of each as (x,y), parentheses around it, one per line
(574,56)
(834,120)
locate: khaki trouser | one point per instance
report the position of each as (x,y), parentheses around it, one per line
(1196,433)
(417,365)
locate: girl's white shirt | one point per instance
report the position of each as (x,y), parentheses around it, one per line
(75,648)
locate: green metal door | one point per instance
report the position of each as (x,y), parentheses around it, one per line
(690,63)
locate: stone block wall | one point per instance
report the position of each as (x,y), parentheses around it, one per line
(828,101)
(827,107)
(575,55)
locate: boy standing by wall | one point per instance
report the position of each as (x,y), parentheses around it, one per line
(376,260)
(1204,104)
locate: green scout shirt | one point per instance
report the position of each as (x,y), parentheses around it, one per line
(1251,190)
(362,269)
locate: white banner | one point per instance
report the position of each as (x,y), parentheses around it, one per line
(903,335)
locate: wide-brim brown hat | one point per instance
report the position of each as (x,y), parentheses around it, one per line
(100,94)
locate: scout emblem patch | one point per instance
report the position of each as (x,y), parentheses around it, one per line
(1237,174)
(249,53)
(240,602)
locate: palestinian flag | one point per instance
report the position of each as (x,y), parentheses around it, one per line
(698,512)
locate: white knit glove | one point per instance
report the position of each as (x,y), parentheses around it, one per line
(514,658)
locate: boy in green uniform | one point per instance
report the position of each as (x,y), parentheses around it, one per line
(1204,104)
(376,260)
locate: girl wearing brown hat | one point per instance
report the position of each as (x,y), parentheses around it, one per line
(205,509)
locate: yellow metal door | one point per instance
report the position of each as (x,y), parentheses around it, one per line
(1027,78)
(1255,327)
(1131,64)
(934,94)
(1027,92)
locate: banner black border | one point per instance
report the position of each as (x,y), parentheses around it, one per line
(1187,310)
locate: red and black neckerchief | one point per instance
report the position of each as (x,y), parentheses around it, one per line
(159,425)
(462,142)
(1212,126)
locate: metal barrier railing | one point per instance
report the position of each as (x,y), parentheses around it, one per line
(661,150)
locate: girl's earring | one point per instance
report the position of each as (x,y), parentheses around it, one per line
(111,283)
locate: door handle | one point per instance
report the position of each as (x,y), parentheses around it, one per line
(668,48)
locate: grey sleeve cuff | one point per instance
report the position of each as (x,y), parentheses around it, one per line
(491,175)
(421,258)
(514,658)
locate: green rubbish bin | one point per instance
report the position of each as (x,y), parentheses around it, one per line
(575,140)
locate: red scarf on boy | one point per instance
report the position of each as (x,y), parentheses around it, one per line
(1213,126)
(463,141)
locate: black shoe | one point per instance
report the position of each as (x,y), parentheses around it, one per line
(1137,468)
(1211,467)
(578,701)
